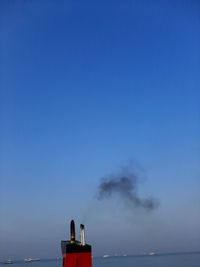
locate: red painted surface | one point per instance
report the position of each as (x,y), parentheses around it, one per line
(83,259)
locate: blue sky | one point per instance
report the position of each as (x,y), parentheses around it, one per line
(85,88)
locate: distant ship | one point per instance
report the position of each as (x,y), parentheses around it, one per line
(8,262)
(152,253)
(30,259)
(106,256)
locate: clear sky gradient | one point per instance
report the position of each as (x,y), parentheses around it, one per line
(87,86)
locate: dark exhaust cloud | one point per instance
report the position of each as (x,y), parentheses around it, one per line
(124,186)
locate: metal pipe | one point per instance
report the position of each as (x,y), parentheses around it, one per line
(82,234)
(72,232)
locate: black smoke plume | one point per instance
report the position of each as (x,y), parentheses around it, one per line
(124,185)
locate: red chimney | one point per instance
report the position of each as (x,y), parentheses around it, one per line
(75,253)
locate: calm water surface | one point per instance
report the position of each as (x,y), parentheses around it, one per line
(184,260)
(188,260)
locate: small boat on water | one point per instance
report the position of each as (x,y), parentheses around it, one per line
(30,259)
(152,253)
(106,256)
(8,262)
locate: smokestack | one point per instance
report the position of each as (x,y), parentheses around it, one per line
(72,232)
(82,234)
(75,253)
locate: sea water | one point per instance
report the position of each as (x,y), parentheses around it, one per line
(186,260)
(183,260)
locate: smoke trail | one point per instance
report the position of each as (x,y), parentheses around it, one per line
(124,185)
